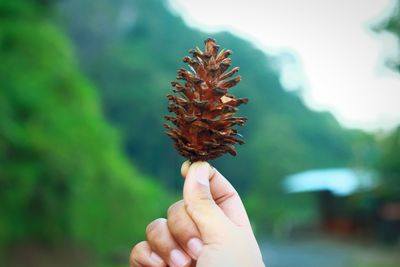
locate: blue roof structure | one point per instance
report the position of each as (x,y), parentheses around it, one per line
(340,181)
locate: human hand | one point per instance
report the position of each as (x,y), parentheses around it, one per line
(208,228)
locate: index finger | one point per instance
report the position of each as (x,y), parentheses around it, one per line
(225,196)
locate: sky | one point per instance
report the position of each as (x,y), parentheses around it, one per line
(337,60)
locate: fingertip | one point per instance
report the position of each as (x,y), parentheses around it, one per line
(197,184)
(185,168)
(156,260)
(195,246)
(198,164)
(190,165)
(142,255)
(200,172)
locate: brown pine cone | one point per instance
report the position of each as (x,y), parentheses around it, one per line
(204,109)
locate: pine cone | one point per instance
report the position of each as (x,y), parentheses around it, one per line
(204,109)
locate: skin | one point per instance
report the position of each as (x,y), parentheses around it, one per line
(208,228)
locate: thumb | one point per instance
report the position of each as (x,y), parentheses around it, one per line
(200,205)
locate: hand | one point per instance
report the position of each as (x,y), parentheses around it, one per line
(208,228)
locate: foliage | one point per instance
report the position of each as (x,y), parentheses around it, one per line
(63,177)
(389,165)
(389,160)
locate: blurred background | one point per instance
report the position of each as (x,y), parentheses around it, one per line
(85,164)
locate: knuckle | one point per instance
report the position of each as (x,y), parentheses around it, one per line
(137,248)
(174,208)
(179,225)
(201,203)
(201,208)
(155,226)
(190,209)
(135,252)
(230,194)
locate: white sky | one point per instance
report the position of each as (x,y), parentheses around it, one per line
(338,60)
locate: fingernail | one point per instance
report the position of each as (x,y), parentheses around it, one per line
(178,259)
(195,246)
(156,259)
(202,173)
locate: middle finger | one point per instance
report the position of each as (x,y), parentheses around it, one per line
(184,230)
(162,242)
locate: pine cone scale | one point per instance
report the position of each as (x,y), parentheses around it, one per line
(203,108)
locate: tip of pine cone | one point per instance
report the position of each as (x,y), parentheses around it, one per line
(209,39)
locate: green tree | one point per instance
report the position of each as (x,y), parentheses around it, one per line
(389,164)
(62,174)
